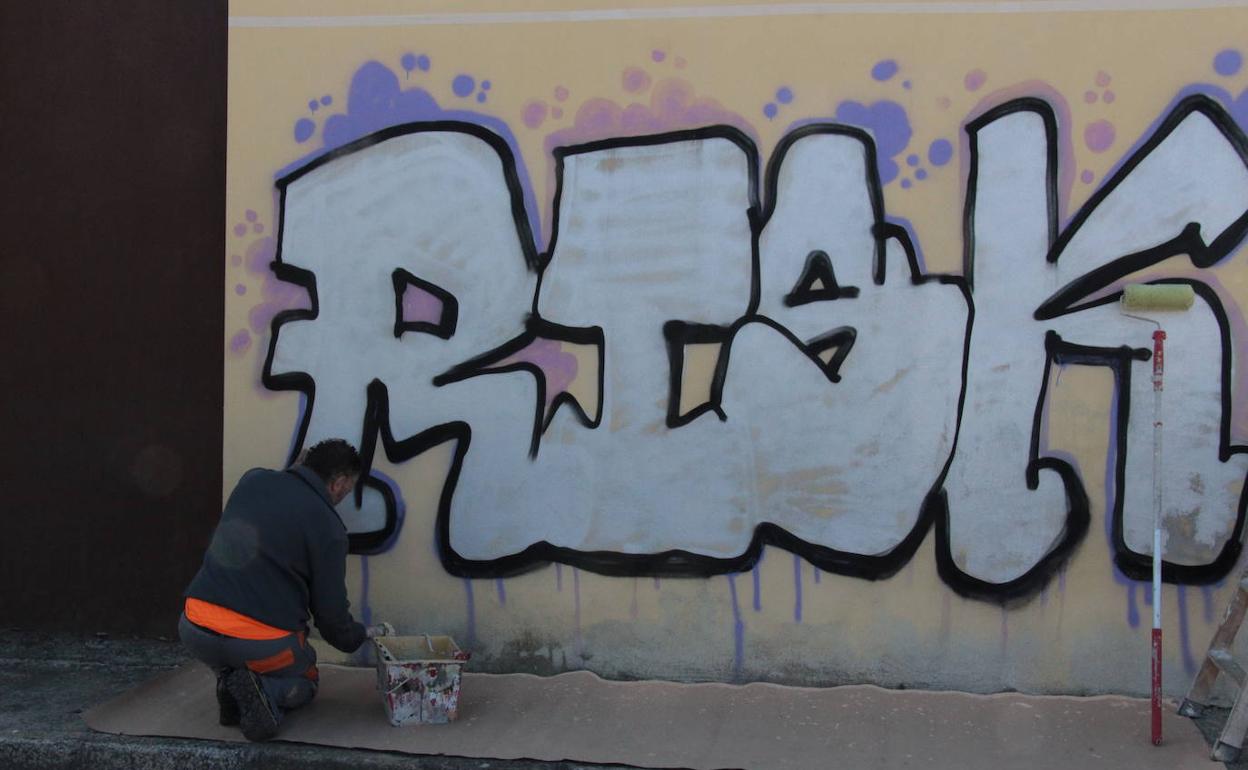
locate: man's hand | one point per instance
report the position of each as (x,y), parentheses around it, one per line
(381,629)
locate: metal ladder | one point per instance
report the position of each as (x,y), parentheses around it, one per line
(1219,661)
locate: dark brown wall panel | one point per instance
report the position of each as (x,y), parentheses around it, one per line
(112,140)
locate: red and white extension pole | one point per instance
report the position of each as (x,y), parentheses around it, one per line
(1159,366)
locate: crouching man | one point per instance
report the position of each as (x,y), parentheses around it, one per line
(278,557)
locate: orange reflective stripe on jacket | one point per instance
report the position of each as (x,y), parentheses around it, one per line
(228,622)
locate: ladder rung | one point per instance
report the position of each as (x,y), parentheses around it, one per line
(1229,666)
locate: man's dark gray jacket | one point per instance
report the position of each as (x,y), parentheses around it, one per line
(279,552)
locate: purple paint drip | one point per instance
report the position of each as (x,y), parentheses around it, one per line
(472,613)
(797,588)
(1133,609)
(816,572)
(738,630)
(502,591)
(1206,595)
(576,593)
(656,583)
(1185,642)
(366,612)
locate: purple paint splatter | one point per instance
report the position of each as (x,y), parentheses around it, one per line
(275,295)
(770,110)
(1099,135)
(657,55)
(480,97)
(240,289)
(1087,176)
(251,215)
(1108,97)
(257,228)
(534,114)
(423,63)
(240,341)
(561,94)
(889,125)
(1102,78)
(905,84)
(975,80)
(304,129)
(939,152)
(314,105)
(463,85)
(673,105)
(486,85)
(905,184)
(1227,62)
(920,174)
(912,160)
(884,69)
(1089,97)
(240,230)
(784,95)
(408,61)
(635,80)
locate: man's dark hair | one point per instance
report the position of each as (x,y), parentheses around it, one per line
(333,457)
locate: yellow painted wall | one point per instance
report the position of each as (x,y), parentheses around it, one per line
(1086,630)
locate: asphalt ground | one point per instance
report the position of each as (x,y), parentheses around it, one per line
(48,679)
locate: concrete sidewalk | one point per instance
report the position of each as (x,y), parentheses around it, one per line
(47,680)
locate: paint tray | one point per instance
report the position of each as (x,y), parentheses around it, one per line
(418,677)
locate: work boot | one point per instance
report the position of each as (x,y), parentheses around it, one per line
(257,716)
(227,706)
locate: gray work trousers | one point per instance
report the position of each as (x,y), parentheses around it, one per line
(287,666)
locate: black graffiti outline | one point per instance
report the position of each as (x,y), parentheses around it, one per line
(376,540)
(1191,243)
(818,268)
(934,510)
(486,364)
(679,562)
(444,327)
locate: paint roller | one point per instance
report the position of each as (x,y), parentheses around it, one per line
(1140,301)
